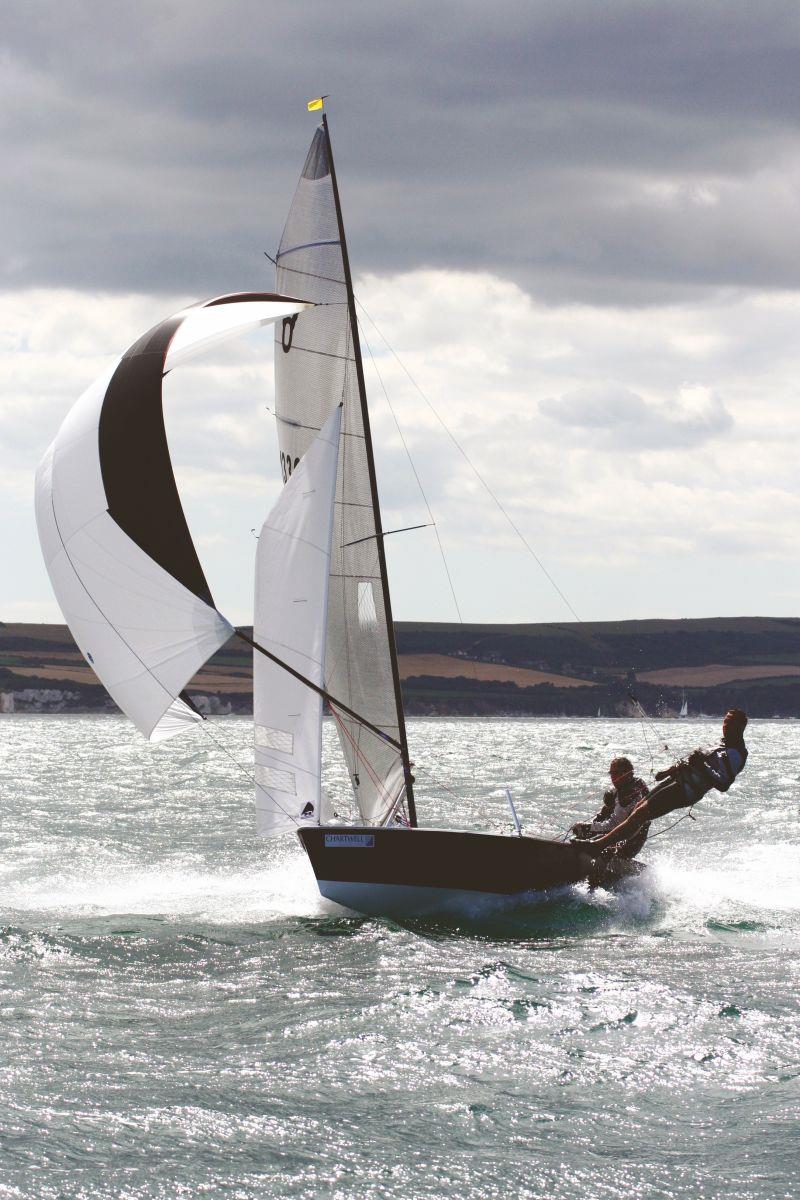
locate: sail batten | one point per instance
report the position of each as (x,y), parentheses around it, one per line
(112,529)
(308,246)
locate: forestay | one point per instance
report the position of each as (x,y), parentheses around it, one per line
(315,370)
(115,540)
(291,599)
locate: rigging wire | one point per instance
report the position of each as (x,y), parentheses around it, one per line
(413,466)
(687,816)
(643,730)
(221,746)
(437,779)
(248,775)
(470,463)
(207,727)
(644,716)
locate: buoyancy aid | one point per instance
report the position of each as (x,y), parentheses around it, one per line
(619,803)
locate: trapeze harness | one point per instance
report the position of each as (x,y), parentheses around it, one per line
(689,780)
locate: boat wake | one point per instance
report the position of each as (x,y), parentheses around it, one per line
(568,912)
(751,889)
(758,893)
(171,895)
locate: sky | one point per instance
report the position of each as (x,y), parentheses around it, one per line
(575,236)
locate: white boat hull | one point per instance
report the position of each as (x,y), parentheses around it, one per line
(404,900)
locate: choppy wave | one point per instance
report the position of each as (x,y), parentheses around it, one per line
(184,1015)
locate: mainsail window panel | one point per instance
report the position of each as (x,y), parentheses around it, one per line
(278,781)
(274,739)
(367,615)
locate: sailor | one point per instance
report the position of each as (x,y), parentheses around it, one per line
(687,781)
(618,803)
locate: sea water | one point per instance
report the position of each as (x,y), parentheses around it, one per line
(183,1016)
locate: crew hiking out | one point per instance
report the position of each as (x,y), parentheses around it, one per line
(685,782)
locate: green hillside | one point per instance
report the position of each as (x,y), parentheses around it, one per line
(613,646)
(569,668)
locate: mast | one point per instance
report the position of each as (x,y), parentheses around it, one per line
(373,484)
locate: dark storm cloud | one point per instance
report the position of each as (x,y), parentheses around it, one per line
(626,152)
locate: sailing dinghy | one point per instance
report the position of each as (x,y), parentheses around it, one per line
(131,587)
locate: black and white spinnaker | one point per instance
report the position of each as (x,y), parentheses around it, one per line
(112,529)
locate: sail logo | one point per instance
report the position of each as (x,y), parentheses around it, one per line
(350,840)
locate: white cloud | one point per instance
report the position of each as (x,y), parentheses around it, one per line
(648,456)
(616,418)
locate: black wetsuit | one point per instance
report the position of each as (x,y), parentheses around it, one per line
(688,781)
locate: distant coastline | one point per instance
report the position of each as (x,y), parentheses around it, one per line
(559,669)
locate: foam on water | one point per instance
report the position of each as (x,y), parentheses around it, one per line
(262,895)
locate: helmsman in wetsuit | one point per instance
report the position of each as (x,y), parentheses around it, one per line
(686,782)
(618,804)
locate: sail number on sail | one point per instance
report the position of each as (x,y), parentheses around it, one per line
(287,465)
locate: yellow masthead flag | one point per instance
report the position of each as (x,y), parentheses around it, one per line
(316,105)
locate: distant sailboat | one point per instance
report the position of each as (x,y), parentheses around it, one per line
(684,706)
(130,584)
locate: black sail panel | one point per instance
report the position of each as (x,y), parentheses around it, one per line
(134,459)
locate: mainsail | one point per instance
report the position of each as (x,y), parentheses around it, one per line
(316,369)
(291,597)
(114,537)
